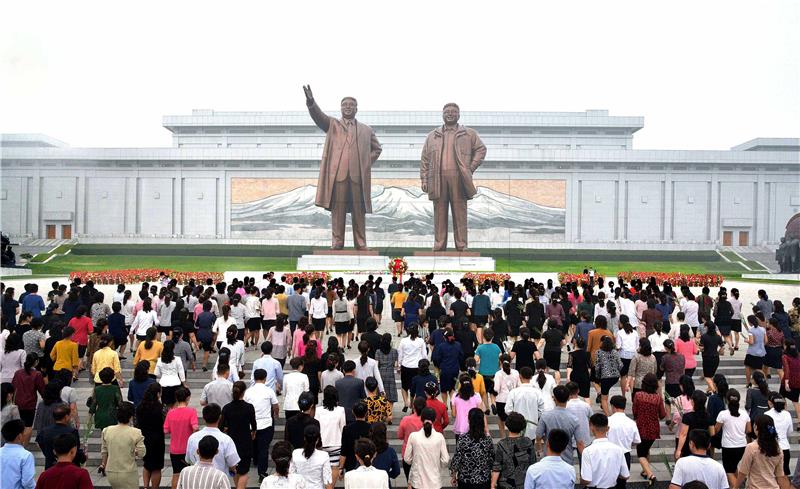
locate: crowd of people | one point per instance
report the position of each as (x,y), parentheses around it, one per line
(538,359)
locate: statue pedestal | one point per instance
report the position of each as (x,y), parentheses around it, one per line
(449,261)
(791,277)
(343,260)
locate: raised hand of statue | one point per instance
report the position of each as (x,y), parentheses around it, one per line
(309,95)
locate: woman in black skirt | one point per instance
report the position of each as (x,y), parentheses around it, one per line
(150,419)
(578,366)
(239,422)
(363,310)
(514,310)
(774,347)
(712,346)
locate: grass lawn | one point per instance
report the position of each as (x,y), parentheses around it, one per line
(225,257)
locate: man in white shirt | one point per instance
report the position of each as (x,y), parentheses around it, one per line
(699,466)
(263,283)
(628,308)
(603,463)
(203,474)
(227,457)
(527,401)
(220,390)
(265,403)
(622,430)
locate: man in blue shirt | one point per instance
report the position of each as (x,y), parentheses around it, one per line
(272,366)
(16,464)
(297,306)
(583,328)
(33,302)
(551,472)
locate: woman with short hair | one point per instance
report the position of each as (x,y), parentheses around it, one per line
(121,446)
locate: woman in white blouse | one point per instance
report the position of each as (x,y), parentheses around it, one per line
(222,323)
(366,476)
(410,351)
(627,344)
(170,374)
(544,383)
(145,319)
(426,452)
(332,420)
(127,311)
(368,367)
(318,309)
(312,464)
(236,356)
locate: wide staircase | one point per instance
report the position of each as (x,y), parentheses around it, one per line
(661,453)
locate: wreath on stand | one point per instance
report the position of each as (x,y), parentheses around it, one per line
(397,267)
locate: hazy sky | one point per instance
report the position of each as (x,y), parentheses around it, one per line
(704,74)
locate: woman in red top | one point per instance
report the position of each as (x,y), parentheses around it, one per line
(82,324)
(648,409)
(27,382)
(790,381)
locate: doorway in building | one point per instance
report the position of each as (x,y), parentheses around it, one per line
(50,231)
(66,231)
(744,238)
(727,238)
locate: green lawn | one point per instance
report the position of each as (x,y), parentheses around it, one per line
(63,265)
(225,257)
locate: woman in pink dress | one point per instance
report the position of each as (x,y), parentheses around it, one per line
(462,402)
(685,345)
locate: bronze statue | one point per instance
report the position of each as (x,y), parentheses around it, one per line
(450,156)
(788,253)
(344,183)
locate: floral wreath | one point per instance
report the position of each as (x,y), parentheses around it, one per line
(397,267)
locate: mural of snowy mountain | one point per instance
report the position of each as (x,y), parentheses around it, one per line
(404,212)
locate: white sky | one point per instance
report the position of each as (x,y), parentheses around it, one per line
(705,74)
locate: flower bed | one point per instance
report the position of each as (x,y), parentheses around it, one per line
(137,275)
(310,277)
(480,278)
(674,278)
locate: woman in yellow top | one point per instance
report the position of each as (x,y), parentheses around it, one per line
(104,357)
(65,353)
(149,350)
(477,379)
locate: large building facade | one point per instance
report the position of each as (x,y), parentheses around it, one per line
(550,179)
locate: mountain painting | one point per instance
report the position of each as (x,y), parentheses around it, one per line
(402,214)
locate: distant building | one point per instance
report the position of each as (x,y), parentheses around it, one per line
(550,179)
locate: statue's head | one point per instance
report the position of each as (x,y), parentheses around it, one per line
(349,107)
(450,113)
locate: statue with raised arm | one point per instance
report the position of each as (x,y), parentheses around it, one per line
(344,183)
(450,156)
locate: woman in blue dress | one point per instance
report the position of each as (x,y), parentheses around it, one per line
(447,357)
(411,310)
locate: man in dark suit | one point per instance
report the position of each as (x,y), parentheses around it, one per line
(46,437)
(345,170)
(350,389)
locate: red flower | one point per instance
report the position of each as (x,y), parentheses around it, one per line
(480,278)
(310,277)
(112,277)
(674,278)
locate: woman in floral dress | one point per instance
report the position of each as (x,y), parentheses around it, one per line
(387,366)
